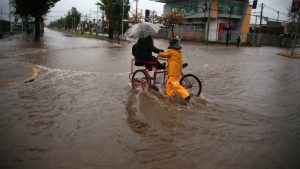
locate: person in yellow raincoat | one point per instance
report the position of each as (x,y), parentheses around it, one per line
(174,56)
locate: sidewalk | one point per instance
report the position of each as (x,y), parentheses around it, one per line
(296,55)
(17,73)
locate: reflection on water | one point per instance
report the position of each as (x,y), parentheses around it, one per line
(81,113)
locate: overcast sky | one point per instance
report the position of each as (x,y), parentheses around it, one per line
(85,6)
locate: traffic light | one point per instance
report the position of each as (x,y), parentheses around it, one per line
(116,9)
(254,4)
(147,15)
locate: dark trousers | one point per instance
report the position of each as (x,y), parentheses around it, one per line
(154,59)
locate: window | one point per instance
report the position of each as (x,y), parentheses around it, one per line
(236,6)
(185,6)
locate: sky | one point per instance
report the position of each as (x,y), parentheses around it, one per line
(89,7)
(85,6)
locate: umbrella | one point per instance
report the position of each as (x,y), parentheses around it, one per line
(143,29)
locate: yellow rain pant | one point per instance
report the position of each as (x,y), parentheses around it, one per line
(173,86)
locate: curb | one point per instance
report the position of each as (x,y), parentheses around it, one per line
(35,73)
(296,56)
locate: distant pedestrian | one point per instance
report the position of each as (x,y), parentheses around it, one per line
(238,41)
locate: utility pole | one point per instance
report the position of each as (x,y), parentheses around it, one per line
(153,13)
(122,18)
(90,28)
(260,24)
(11,30)
(228,30)
(97,21)
(208,21)
(74,23)
(296,32)
(136,11)
(97,14)
(277,17)
(254,31)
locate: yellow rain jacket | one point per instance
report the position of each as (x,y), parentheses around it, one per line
(174,61)
(174,71)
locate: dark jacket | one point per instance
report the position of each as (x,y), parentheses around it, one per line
(147,47)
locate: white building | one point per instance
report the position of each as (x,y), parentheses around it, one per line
(224,14)
(4,10)
(5,16)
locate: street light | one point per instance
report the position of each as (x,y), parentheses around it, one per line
(122,18)
(228,31)
(11,30)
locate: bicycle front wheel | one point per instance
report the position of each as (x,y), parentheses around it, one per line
(139,79)
(192,84)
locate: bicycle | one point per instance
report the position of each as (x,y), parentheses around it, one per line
(142,78)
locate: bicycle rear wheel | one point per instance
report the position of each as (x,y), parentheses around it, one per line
(140,79)
(192,84)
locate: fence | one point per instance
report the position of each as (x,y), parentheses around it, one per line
(197,33)
(194,33)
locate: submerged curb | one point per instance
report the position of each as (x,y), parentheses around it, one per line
(35,73)
(17,73)
(296,56)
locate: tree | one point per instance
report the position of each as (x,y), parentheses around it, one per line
(72,19)
(34,8)
(58,24)
(113,11)
(154,18)
(136,18)
(170,20)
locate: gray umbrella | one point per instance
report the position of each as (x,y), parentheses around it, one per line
(143,29)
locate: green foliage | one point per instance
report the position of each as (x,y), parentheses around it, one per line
(114,20)
(34,8)
(170,20)
(59,23)
(69,22)
(72,19)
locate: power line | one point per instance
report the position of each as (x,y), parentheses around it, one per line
(271,8)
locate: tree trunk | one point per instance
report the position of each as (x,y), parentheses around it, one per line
(172,31)
(110,27)
(37,27)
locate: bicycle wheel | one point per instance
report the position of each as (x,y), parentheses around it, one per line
(139,79)
(192,84)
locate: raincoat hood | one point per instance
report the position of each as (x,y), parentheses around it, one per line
(174,44)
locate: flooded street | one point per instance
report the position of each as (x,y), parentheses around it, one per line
(80,112)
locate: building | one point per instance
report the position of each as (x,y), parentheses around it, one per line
(226,18)
(4,16)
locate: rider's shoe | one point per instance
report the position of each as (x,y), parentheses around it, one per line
(188,98)
(185,65)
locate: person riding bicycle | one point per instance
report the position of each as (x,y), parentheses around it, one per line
(142,52)
(174,56)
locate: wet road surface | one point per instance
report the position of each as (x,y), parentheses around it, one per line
(80,111)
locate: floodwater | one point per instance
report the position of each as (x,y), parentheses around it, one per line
(80,111)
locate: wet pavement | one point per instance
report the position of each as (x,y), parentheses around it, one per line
(80,112)
(12,73)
